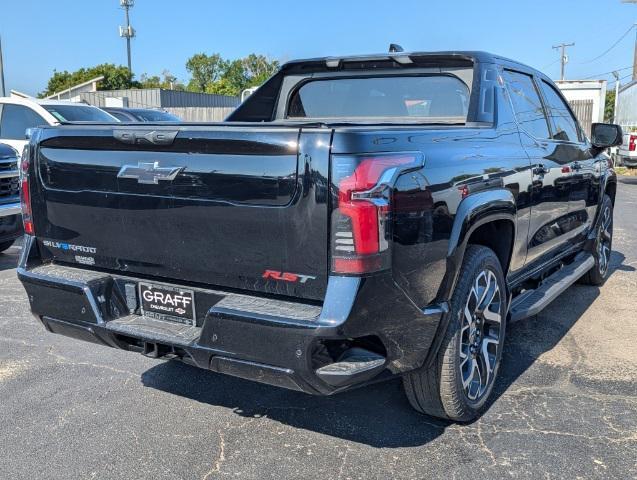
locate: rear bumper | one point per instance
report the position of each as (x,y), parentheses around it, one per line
(9,209)
(629,161)
(272,341)
(10,221)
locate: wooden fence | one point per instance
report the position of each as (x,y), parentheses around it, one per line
(583,110)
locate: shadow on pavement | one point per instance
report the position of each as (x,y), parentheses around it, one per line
(9,258)
(377,415)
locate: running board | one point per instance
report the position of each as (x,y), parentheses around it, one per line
(532,302)
(354,366)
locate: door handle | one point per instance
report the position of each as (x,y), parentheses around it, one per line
(540,169)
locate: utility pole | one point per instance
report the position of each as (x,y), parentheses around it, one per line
(635,49)
(2,90)
(563,57)
(635,57)
(127,31)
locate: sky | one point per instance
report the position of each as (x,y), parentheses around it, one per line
(41,36)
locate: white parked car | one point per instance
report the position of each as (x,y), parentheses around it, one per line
(627,151)
(17,115)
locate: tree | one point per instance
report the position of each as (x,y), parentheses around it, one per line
(609,107)
(258,69)
(168,82)
(205,70)
(115,77)
(213,74)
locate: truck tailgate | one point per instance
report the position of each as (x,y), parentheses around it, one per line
(234,206)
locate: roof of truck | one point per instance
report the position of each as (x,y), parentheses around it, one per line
(407,57)
(479,56)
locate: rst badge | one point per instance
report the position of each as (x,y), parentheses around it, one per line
(287,276)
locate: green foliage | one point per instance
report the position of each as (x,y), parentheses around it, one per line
(609,107)
(115,77)
(213,74)
(209,74)
(205,70)
(167,81)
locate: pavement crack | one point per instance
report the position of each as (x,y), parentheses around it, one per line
(343,462)
(220,458)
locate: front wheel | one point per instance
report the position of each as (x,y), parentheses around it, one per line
(460,379)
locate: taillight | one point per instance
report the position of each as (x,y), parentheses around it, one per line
(25,195)
(632,142)
(362,209)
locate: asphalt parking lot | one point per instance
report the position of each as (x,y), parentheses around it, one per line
(566,404)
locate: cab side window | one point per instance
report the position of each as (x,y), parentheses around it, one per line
(527,105)
(16,119)
(563,123)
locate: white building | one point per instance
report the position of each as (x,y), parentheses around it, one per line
(587,99)
(626,115)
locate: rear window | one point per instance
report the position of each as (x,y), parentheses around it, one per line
(435,98)
(78,113)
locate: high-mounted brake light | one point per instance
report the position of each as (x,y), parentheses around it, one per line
(360,217)
(25,195)
(632,143)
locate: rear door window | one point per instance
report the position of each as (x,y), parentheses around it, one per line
(16,119)
(527,105)
(434,98)
(564,124)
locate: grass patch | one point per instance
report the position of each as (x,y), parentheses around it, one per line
(631,172)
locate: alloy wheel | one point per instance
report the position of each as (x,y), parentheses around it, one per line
(480,335)
(604,240)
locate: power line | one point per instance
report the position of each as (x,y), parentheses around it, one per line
(607,73)
(609,48)
(620,79)
(550,64)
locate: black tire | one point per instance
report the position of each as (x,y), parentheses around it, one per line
(5,245)
(603,246)
(438,390)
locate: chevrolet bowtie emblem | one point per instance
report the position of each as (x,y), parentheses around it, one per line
(149,172)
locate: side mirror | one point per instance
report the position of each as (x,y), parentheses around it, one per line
(604,135)
(28,133)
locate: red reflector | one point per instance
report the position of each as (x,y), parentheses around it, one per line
(357,265)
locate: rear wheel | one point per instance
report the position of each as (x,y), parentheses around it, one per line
(603,245)
(5,246)
(459,381)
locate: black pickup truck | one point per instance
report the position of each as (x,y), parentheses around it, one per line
(354,220)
